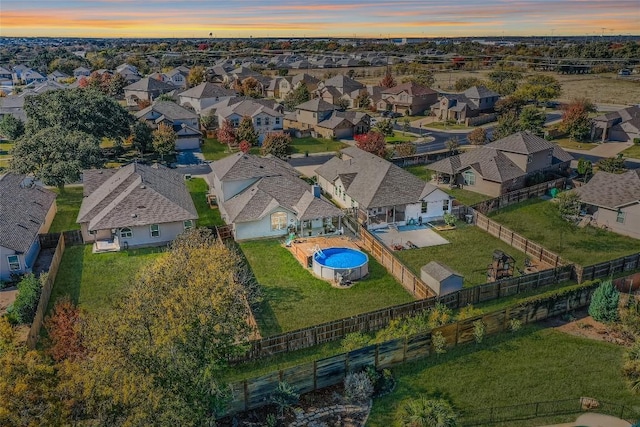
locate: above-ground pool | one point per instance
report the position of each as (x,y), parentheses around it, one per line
(340,263)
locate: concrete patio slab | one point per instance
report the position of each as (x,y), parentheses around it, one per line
(421,238)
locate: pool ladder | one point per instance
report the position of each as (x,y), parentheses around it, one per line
(317,250)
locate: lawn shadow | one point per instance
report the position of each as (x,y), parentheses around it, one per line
(266,316)
(69,277)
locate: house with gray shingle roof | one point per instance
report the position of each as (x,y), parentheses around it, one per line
(341,87)
(379,191)
(183,121)
(134,206)
(204,95)
(265,119)
(265,197)
(471,103)
(146,89)
(318,117)
(26,210)
(613,200)
(501,166)
(622,125)
(408,98)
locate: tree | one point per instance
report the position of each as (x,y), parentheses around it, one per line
(568,204)
(297,96)
(363,100)
(276,144)
(585,168)
(56,155)
(532,120)
(385,127)
(164,140)
(11,127)
(388,81)
(539,88)
(425,412)
(405,149)
(209,121)
(227,134)
(465,83)
(24,307)
(508,124)
(246,131)
(251,87)
(64,328)
(422,77)
(452,144)
(504,81)
(575,118)
(165,97)
(141,136)
(196,75)
(604,302)
(509,103)
(478,136)
(244,146)
(342,104)
(372,142)
(117,85)
(611,164)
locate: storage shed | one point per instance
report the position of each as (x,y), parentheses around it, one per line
(441,278)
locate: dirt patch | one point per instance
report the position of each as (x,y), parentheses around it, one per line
(7,297)
(580,324)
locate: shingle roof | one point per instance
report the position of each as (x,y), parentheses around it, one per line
(373,181)
(316,104)
(522,143)
(169,109)
(246,108)
(438,271)
(240,166)
(412,88)
(477,92)
(611,190)
(135,195)
(624,114)
(23,210)
(343,83)
(148,85)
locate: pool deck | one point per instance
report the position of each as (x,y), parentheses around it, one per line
(303,248)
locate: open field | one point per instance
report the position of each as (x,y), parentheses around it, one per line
(92,280)
(539,220)
(294,298)
(469,252)
(531,365)
(207,217)
(68,203)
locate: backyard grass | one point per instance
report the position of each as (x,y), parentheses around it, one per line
(469,252)
(212,149)
(92,280)
(400,137)
(315,145)
(420,171)
(207,217)
(539,220)
(467,197)
(531,365)
(294,298)
(632,152)
(68,204)
(5,147)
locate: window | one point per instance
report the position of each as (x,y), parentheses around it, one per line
(277,120)
(266,121)
(445,205)
(259,121)
(155,230)
(423,209)
(234,123)
(126,233)
(620,217)
(278,221)
(188,224)
(469,178)
(14,262)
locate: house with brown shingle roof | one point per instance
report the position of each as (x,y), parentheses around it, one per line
(613,200)
(408,98)
(134,206)
(501,166)
(340,87)
(146,89)
(622,125)
(380,192)
(265,197)
(471,103)
(318,117)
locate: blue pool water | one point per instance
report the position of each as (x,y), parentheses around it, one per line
(341,257)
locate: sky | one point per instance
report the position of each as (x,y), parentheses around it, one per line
(312,18)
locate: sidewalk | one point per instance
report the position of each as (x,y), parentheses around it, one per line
(595,420)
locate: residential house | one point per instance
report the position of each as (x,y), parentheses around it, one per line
(14,104)
(471,103)
(204,95)
(265,119)
(57,75)
(17,73)
(183,121)
(379,192)
(503,165)
(32,77)
(613,201)
(340,87)
(320,118)
(264,197)
(177,77)
(280,87)
(134,206)
(6,81)
(145,89)
(129,72)
(622,125)
(80,72)
(408,98)
(26,210)
(5,74)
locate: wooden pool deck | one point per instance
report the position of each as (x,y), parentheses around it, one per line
(303,248)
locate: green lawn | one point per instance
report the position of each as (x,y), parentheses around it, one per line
(572,144)
(315,145)
(539,220)
(465,197)
(510,369)
(92,280)
(469,252)
(399,137)
(445,126)
(420,171)
(207,217)
(4,154)
(633,151)
(212,149)
(294,298)
(68,203)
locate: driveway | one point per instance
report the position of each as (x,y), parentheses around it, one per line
(192,162)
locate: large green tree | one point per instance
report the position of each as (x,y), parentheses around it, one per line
(531,119)
(246,131)
(539,88)
(56,155)
(277,144)
(11,127)
(297,96)
(164,140)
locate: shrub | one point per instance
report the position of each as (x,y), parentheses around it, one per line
(439,315)
(479,331)
(24,307)
(284,397)
(468,312)
(438,341)
(449,219)
(358,387)
(424,412)
(354,341)
(515,325)
(604,303)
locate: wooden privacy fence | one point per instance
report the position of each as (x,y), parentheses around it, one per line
(34,330)
(379,319)
(518,196)
(255,392)
(412,283)
(607,268)
(50,240)
(532,249)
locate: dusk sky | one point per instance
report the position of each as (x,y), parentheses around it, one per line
(312,18)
